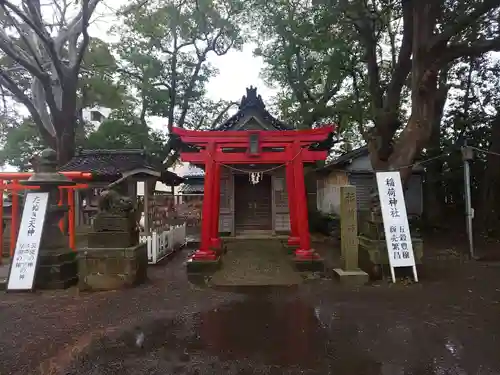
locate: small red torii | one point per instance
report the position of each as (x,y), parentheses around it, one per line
(15,187)
(295,152)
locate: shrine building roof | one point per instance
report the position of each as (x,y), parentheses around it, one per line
(190,188)
(252,107)
(114,164)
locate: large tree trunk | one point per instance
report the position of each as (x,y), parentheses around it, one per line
(490,218)
(65,147)
(380,144)
(65,122)
(424,78)
(433,187)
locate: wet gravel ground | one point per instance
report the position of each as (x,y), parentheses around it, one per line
(447,324)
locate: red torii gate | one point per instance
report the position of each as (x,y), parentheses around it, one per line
(295,152)
(15,187)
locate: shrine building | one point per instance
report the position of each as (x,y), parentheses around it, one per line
(254,177)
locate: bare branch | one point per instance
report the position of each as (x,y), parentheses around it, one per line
(19,56)
(461,22)
(21,33)
(35,24)
(222,113)
(403,65)
(43,96)
(474,49)
(62,10)
(189,90)
(133,8)
(85,40)
(9,84)
(74,26)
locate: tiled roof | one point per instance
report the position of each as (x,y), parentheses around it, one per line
(253,102)
(113,163)
(188,170)
(348,156)
(191,188)
(344,159)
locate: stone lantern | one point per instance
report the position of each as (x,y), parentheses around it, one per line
(7,216)
(57,265)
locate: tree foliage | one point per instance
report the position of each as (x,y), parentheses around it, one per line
(163,52)
(22,142)
(412,79)
(379,54)
(309,58)
(123,130)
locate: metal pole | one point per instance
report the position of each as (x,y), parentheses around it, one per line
(466,156)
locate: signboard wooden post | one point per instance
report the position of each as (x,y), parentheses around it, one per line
(396,227)
(24,262)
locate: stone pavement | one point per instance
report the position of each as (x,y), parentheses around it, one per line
(256,263)
(4,273)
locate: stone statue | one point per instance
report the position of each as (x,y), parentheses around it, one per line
(113,203)
(114,257)
(116,212)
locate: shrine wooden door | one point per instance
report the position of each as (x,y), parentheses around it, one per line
(252,204)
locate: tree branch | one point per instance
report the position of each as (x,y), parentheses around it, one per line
(132,8)
(403,65)
(43,97)
(222,113)
(357,96)
(300,71)
(85,40)
(19,56)
(75,26)
(9,84)
(366,32)
(36,25)
(189,90)
(294,79)
(21,32)
(475,49)
(460,23)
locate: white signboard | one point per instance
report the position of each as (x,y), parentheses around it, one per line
(396,228)
(24,262)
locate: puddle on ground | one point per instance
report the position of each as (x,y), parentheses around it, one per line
(265,335)
(254,336)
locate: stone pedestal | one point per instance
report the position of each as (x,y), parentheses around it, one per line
(349,274)
(112,268)
(56,269)
(104,240)
(373,255)
(114,258)
(57,263)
